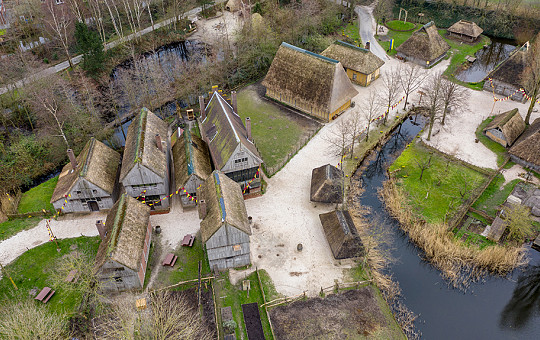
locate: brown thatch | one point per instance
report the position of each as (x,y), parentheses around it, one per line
(224,205)
(527,147)
(224,131)
(141,144)
(327,184)
(510,70)
(425,44)
(97,163)
(190,156)
(497,229)
(126,227)
(510,123)
(341,234)
(352,57)
(467,28)
(309,77)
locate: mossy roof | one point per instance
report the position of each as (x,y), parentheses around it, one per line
(527,147)
(191,158)
(424,44)
(352,57)
(511,124)
(467,28)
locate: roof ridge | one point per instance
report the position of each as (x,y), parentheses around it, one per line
(139,146)
(219,194)
(189,152)
(118,220)
(301,50)
(220,100)
(87,156)
(346,44)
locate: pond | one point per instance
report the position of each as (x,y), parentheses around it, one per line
(486,60)
(496,308)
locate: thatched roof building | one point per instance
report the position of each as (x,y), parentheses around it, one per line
(361,65)
(506,127)
(341,234)
(424,47)
(327,184)
(496,230)
(465,30)
(526,150)
(309,82)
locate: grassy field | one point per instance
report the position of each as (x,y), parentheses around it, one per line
(274,133)
(497,148)
(494,195)
(399,25)
(12,227)
(444,185)
(38,198)
(33,269)
(352,33)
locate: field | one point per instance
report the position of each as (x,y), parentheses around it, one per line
(398,25)
(38,198)
(445,185)
(494,195)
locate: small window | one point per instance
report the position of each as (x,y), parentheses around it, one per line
(354,76)
(58,2)
(98,199)
(78,192)
(94,191)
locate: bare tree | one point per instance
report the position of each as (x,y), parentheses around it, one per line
(411,77)
(432,99)
(391,90)
(369,109)
(97,15)
(61,27)
(355,124)
(531,76)
(382,10)
(339,139)
(453,97)
(77,8)
(423,164)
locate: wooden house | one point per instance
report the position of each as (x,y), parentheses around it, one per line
(309,82)
(505,128)
(225,229)
(230,143)
(361,65)
(122,256)
(327,184)
(145,165)
(464,30)
(505,79)
(526,150)
(88,182)
(424,47)
(341,234)
(191,166)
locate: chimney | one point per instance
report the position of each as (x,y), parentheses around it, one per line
(202,209)
(233,101)
(367,45)
(202,107)
(72,158)
(158,143)
(101,229)
(248,128)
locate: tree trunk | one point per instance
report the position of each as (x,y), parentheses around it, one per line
(406,98)
(534,97)
(431,122)
(444,113)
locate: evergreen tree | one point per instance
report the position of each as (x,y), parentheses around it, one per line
(89,44)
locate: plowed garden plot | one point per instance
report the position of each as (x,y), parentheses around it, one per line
(252,319)
(355,314)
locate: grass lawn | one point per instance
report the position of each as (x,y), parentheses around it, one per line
(12,227)
(38,198)
(438,193)
(494,195)
(274,133)
(399,38)
(33,269)
(497,148)
(474,239)
(352,33)
(399,25)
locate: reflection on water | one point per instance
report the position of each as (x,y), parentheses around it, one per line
(525,301)
(486,60)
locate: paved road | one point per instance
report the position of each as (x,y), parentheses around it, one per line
(365,23)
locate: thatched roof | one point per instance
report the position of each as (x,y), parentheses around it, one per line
(224,205)
(256,20)
(496,230)
(341,234)
(467,28)
(126,226)
(97,163)
(141,144)
(527,147)
(510,70)
(190,156)
(234,5)
(510,123)
(224,131)
(425,44)
(326,184)
(315,79)
(352,57)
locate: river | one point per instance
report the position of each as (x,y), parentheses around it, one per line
(497,308)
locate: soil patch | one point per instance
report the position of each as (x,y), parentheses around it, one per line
(191,297)
(252,319)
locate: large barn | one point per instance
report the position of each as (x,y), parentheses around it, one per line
(225,229)
(361,65)
(424,47)
(122,256)
(309,82)
(526,150)
(88,182)
(506,127)
(145,165)
(341,234)
(464,30)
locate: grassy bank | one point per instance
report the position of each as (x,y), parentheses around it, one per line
(12,227)
(38,198)
(494,195)
(497,148)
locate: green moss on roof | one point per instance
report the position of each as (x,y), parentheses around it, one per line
(117,225)
(139,146)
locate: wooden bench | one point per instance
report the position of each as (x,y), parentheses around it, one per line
(188,240)
(72,276)
(45,294)
(170,260)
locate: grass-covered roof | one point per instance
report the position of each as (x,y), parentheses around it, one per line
(190,156)
(352,57)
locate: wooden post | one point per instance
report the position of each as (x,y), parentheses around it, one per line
(199,293)
(6,273)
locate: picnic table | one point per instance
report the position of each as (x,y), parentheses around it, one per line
(170,260)
(45,294)
(188,240)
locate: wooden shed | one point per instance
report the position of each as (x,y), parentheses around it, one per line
(191,166)
(122,256)
(464,30)
(145,165)
(526,150)
(309,82)
(424,47)
(341,234)
(230,142)
(506,127)
(88,182)
(496,230)
(327,184)
(225,229)
(361,65)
